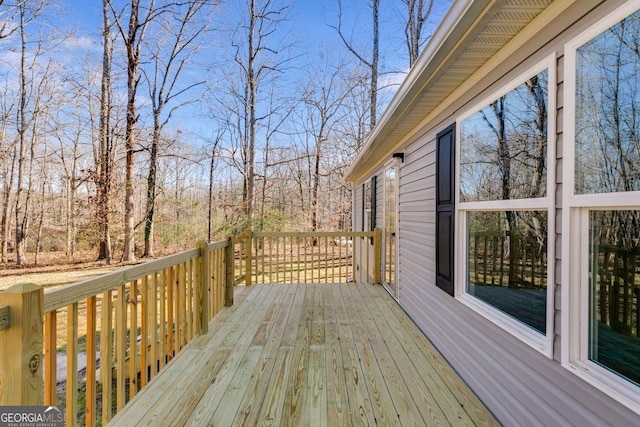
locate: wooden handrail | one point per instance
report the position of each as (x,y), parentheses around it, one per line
(313,233)
(62,297)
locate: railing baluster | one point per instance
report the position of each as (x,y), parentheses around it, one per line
(325,254)
(314,247)
(340,260)
(333,262)
(72,365)
(106,354)
(121,340)
(153,324)
(277,261)
(298,259)
(50,357)
(163,351)
(90,399)
(177,305)
(133,338)
(170,318)
(144,330)
(188,281)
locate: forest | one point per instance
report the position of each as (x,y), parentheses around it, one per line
(169,122)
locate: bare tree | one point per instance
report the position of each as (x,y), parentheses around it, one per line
(213,155)
(258,60)
(325,99)
(372,63)
(8,158)
(27,112)
(183,31)
(418,12)
(132,36)
(7,16)
(106,140)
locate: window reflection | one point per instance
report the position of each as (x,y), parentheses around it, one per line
(367,207)
(507,263)
(608,110)
(615,291)
(504,146)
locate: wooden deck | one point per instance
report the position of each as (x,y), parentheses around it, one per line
(308,355)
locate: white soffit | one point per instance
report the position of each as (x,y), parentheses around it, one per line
(470,34)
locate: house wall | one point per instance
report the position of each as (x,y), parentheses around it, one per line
(520,385)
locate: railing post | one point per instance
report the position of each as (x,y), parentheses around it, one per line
(230,273)
(21,346)
(249,257)
(377,255)
(203,286)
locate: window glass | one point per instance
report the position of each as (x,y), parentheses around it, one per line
(367,207)
(503,150)
(607,146)
(614,290)
(507,263)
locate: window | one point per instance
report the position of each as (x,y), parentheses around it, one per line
(504,206)
(369,205)
(601,204)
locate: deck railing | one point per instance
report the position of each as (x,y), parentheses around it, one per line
(154,310)
(294,257)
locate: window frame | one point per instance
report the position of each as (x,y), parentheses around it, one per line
(575,292)
(538,341)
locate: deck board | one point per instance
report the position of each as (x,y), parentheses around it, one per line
(313,355)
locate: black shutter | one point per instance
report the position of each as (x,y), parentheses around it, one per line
(372,223)
(445,180)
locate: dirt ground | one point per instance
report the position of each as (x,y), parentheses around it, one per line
(54,271)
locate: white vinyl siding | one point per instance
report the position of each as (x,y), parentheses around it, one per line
(519,385)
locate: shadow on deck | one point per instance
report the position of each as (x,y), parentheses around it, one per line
(320,354)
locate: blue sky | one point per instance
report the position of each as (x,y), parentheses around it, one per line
(308,27)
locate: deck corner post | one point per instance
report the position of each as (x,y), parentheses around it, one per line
(204,285)
(21,346)
(249,257)
(377,255)
(230,272)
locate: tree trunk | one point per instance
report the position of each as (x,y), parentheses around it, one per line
(374,65)
(252,92)
(133,62)
(5,218)
(316,186)
(21,128)
(151,189)
(210,198)
(104,174)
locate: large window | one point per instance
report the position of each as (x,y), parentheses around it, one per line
(504,207)
(601,305)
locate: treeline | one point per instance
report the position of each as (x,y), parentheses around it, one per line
(171,122)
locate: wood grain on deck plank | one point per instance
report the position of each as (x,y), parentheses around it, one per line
(313,355)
